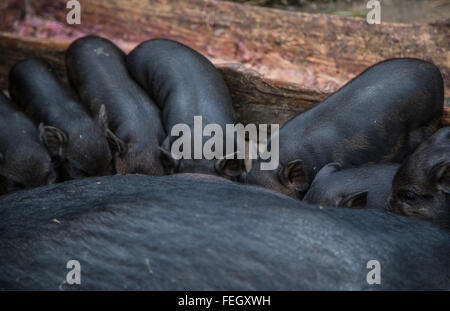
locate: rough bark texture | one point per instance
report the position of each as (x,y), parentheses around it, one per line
(288,61)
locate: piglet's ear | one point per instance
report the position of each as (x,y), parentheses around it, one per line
(354,200)
(294,174)
(116,143)
(228,166)
(102,118)
(168,161)
(53,138)
(440,174)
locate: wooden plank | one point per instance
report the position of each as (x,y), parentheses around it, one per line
(319,52)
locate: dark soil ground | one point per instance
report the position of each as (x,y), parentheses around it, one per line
(400,11)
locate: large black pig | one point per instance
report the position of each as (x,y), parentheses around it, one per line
(382,115)
(65,126)
(24,161)
(97,70)
(204,233)
(421,187)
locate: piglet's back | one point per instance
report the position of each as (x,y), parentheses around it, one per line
(182,82)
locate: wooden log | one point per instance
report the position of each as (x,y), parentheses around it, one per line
(317,51)
(288,61)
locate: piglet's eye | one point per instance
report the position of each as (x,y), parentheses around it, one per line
(407,195)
